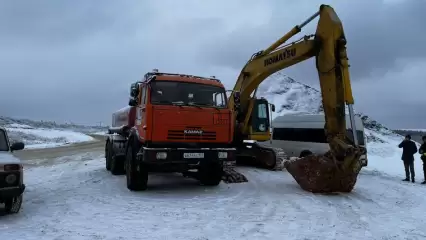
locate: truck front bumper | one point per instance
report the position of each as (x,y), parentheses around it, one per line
(190,156)
(10,192)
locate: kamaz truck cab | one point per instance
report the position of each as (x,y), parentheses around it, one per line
(181,124)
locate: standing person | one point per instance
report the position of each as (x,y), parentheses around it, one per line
(409,148)
(422,151)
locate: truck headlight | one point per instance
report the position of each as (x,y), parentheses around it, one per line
(11,179)
(222,155)
(161,155)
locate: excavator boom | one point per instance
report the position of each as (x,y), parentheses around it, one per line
(328,46)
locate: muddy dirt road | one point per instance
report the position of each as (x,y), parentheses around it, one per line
(44,156)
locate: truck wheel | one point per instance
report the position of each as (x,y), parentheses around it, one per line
(136,180)
(210,174)
(305,153)
(13,205)
(108,155)
(117,165)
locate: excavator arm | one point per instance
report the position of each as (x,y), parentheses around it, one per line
(328,46)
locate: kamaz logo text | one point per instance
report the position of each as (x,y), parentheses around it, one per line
(279,57)
(193,132)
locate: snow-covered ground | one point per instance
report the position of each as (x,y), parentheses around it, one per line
(79,199)
(44,137)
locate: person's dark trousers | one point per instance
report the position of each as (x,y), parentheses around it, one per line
(424,170)
(409,168)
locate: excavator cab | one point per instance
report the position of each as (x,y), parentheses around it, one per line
(260,121)
(256,125)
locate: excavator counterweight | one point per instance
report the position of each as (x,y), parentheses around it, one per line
(337,170)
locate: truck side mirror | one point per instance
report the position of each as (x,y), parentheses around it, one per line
(133,102)
(17,146)
(134,90)
(272,107)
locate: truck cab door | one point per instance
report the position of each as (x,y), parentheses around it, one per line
(141,113)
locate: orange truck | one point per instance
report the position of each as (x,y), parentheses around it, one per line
(173,123)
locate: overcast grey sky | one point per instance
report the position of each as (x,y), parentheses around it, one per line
(75,60)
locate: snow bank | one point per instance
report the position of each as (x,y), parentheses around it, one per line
(28,123)
(102,133)
(44,137)
(17,125)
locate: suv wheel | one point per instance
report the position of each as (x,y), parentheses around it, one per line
(13,205)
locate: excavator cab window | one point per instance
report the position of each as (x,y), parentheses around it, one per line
(260,116)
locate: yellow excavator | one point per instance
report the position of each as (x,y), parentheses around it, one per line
(337,170)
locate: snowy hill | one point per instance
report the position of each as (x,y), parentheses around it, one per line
(42,134)
(293,97)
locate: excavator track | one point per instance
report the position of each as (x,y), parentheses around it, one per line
(258,155)
(230,175)
(279,157)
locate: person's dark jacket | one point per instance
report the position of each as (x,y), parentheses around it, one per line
(409,148)
(422,150)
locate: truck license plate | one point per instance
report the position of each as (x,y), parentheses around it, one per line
(193,155)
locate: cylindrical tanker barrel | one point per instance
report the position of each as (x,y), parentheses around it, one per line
(123,120)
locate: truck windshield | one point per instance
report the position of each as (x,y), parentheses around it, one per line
(4,146)
(183,93)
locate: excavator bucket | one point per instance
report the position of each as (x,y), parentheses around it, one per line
(325,174)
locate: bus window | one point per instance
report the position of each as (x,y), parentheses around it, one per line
(309,135)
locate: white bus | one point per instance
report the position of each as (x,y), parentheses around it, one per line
(301,135)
